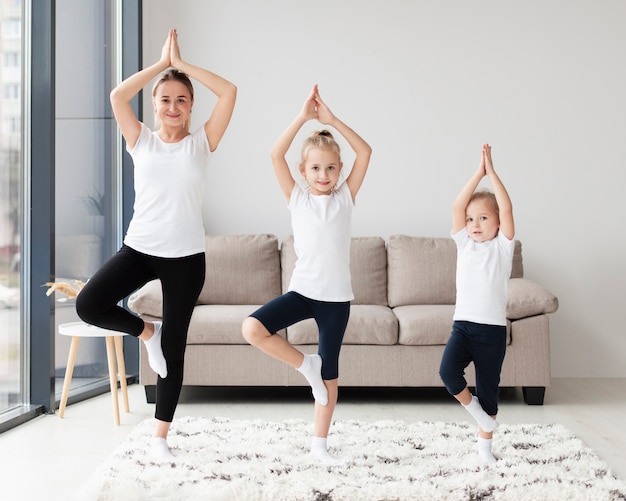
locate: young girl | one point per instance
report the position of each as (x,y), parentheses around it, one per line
(483,229)
(165,238)
(320,286)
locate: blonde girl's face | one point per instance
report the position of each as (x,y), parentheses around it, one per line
(172,103)
(321,170)
(481,221)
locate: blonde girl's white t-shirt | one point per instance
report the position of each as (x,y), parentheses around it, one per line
(322,235)
(483,270)
(169,189)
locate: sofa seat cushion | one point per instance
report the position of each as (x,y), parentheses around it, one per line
(219,324)
(368,324)
(527,299)
(423,325)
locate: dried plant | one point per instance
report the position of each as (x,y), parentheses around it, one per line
(71,291)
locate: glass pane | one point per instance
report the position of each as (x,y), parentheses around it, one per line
(84,170)
(10,202)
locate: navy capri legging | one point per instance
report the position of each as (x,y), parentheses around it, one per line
(331,319)
(485,345)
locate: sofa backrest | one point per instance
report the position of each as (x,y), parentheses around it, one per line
(422,270)
(241,269)
(368,268)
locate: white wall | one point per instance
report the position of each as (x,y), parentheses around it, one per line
(427,83)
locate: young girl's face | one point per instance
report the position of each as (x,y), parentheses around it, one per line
(321,170)
(172,103)
(481,221)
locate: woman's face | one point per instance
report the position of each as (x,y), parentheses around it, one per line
(172,103)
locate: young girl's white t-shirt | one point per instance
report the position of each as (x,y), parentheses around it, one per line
(169,189)
(322,235)
(483,270)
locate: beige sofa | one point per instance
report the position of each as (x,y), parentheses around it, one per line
(400,319)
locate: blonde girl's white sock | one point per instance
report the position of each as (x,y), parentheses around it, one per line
(311,369)
(484,451)
(156,359)
(319,451)
(484,420)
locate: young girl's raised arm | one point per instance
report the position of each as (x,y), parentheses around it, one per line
(362,150)
(462,199)
(505,207)
(283,143)
(225,91)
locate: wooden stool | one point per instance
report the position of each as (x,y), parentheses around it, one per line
(114,350)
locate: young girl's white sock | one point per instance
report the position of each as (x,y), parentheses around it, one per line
(484,451)
(155,352)
(484,420)
(160,450)
(311,369)
(320,451)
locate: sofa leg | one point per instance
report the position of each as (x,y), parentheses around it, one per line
(150,393)
(533,395)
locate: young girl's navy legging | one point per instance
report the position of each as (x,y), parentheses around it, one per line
(331,318)
(485,345)
(181,281)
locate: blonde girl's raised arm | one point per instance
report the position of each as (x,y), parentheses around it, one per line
(122,95)
(283,143)
(362,150)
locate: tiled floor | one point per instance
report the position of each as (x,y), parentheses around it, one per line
(48,458)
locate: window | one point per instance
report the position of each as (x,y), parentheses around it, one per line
(11,394)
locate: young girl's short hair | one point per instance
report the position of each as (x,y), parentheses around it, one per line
(321,139)
(177,76)
(485,196)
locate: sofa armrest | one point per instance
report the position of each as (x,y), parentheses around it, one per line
(148,300)
(527,298)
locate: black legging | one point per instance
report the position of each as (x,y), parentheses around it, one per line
(181,281)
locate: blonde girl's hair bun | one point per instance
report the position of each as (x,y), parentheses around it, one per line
(321,139)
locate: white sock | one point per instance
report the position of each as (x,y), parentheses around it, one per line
(484,420)
(311,369)
(160,450)
(320,451)
(484,451)
(155,352)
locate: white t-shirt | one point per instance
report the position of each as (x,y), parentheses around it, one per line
(482,277)
(322,235)
(169,188)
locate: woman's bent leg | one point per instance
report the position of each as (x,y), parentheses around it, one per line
(97,302)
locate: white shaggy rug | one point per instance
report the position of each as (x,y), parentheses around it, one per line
(223,459)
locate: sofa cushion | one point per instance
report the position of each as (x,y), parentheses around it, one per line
(368,268)
(422,270)
(241,269)
(219,324)
(527,298)
(148,300)
(427,325)
(368,324)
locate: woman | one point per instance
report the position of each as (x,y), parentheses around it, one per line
(165,238)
